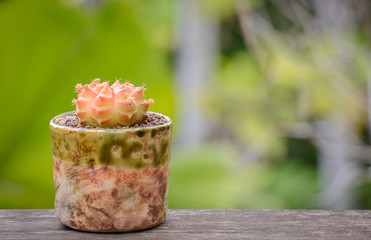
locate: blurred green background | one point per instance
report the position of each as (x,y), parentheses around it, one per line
(270,99)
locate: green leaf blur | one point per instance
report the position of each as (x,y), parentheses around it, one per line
(46,49)
(272,85)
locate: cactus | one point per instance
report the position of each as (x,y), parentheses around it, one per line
(102,105)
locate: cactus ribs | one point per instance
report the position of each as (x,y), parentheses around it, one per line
(102,105)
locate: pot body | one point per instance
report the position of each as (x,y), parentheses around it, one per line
(111,180)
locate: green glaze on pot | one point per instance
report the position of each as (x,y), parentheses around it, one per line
(133,148)
(111,180)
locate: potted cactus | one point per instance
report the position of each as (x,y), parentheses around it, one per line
(111,160)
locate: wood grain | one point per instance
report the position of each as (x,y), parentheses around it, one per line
(204,224)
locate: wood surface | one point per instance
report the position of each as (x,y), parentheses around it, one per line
(204,224)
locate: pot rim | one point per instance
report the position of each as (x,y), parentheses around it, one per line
(86,130)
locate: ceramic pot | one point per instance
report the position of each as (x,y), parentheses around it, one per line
(111,180)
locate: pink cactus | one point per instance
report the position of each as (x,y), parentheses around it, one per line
(102,105)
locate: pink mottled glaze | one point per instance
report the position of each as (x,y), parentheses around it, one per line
(126,193)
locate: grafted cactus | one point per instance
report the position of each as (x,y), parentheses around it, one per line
(102,105)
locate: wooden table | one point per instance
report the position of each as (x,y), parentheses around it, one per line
(204,224)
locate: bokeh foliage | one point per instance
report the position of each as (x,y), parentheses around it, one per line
(47,47)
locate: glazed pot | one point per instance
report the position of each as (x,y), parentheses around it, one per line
(111,180)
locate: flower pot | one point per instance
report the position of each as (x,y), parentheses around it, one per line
(111,180)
